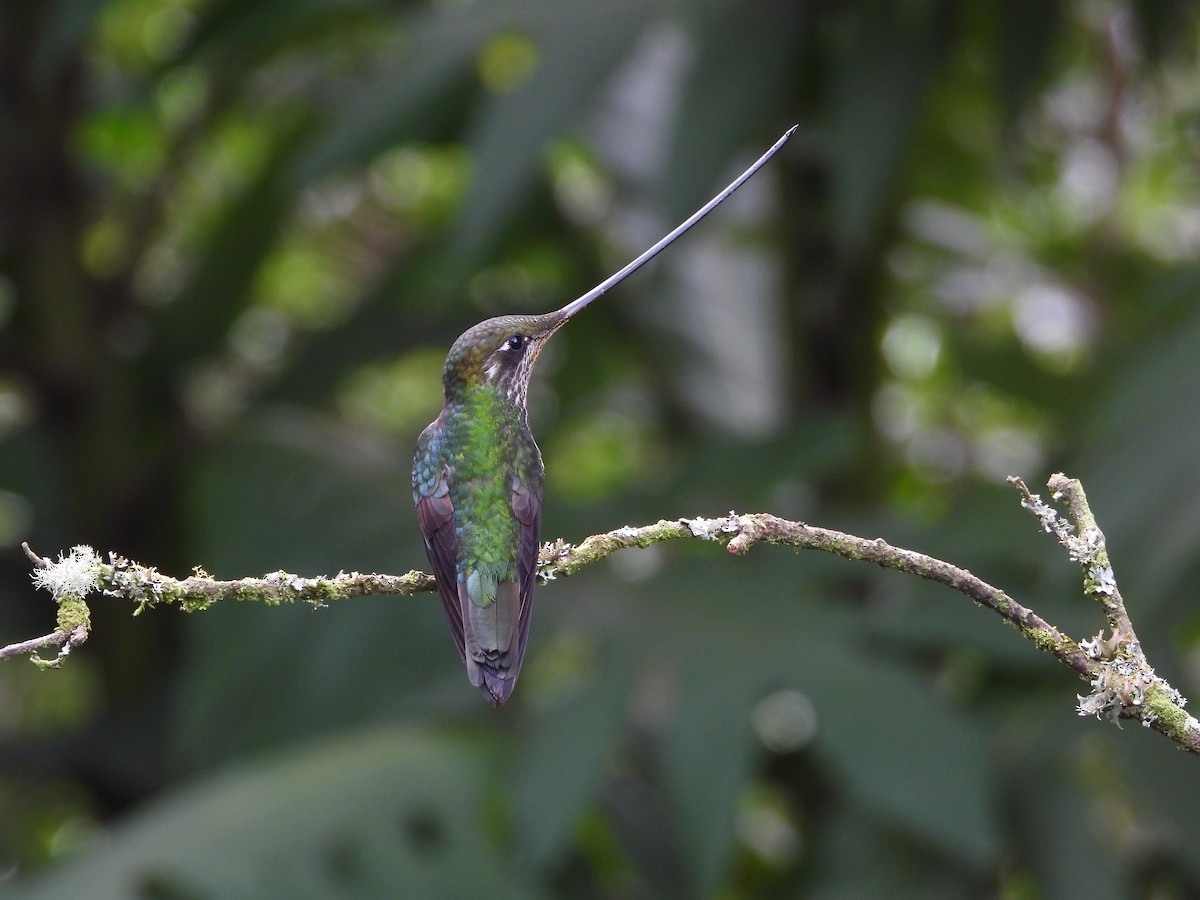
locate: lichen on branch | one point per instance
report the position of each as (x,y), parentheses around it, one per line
(1123,685)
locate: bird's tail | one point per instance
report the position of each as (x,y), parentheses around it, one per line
(495,636)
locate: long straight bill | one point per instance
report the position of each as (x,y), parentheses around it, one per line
(576,305)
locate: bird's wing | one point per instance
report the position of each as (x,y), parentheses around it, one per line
(527,507)
(435,511)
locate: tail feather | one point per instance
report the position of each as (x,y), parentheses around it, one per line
(493,657)
(494,682)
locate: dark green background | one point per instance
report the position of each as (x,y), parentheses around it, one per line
(236,239)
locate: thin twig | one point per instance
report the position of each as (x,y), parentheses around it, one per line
(65,640)
(37,561)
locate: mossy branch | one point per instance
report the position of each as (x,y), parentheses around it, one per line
(1123,684)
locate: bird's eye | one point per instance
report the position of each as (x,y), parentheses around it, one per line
(517,341)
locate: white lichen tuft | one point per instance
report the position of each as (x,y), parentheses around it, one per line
(1104,579)
(1118,688)
(551,555)
(1051,521)
(712,529)
(1085,548)
(74,575)
(1101,647)
(134,582)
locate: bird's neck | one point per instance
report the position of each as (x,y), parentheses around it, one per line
(486,402)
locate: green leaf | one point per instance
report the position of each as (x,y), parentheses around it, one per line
(1163,782)
(1140,445)
(709,749)
(237,34)
(855,857)
(898,752)
(391,318)
(880,81)
(1028,33)
(196,323)
(394,812)
(1057,828)
(743,53)
(901,755)
(565,749)
(403,101)
(578,45)
(301,494)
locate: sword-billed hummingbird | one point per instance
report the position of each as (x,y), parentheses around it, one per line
(477,478)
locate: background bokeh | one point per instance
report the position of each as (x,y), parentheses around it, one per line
(237,238)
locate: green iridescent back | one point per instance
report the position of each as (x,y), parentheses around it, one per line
(486,442)
(485,439)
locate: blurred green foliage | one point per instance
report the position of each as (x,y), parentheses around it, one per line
(236,239)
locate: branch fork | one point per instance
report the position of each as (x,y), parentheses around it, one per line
(1123,683)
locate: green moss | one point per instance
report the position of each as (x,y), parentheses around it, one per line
(249,594)
(1043,639)
(1163,708)
(322,592)
(72,613)
(192,603)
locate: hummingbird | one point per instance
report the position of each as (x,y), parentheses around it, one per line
(478,478)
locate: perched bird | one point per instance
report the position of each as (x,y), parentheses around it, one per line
(477,478)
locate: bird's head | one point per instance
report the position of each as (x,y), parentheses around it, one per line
(499,353)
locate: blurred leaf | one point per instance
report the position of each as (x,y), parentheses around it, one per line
(927,617)
(404,100)
(902,755)
(300,494)
(1163,790)
(742,51)
(1028,35)
(1068,850)
(896,870)
(67,26)
(1164,25)
(578,45)
(735,635)
(881,77)
(196,323)
(1141,443)
(315,494)
(392,318)
(565,751)
(708,750)
(394,812)
(242,32)
(775,472)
